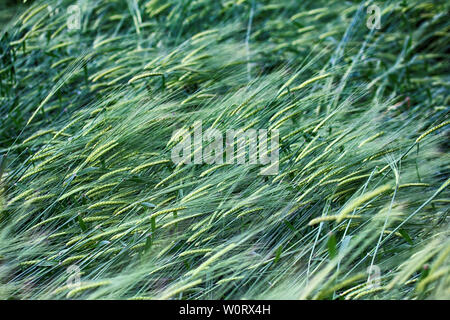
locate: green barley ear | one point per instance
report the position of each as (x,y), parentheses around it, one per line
(145,75)
(354,204)
(2,165)
(430,131)
(86,124)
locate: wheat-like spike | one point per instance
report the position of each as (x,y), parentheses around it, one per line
(165,201)
(20,196)
(42,155)
(194,251)
(73,259)
(325,181)
(62,61)
(31,14)
(158,213)
(106,203)
(60,132)
(106,41)
(106,233)
(243,104)
(349,175)
(282,175)
(58,234)
(37,135)
(177,172)
(226,280)
(60,45)
(113,250)
(112,173)
(208,171)
(332,218)
(68,194)
(337,195)
(138,246)
(197,234)
(253,111)
(39,198)
(63,215)
(192,195)
(288,83)
(250,125)
(145,75)
(122,234)
(441,259)
(323,293)
(207,239)
(94,139)
(305,83)
(101,188)
(380,154)
(101,150)
(168,224)
(352,179)
(160,9)
(353,289)
(370,139)
(432,277)
(64,288)
(249,211)
(330,145)
(234,209)
(180,289)
(407,185)
(279,113)
(318,173)
(323,121)
(283,120)
(328,34)
(123,209)
(192,53)
(307,150)
(308,13)
(102,74)
(398,234)
(96,218)
(74,239)
(40,167)
(123,194)
(411,281)
(213,258)
(366,292)
(141,298)
(204,33)
(356,290)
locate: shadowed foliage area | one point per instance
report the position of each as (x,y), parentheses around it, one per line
(89,191)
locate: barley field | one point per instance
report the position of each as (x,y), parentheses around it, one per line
(93,205)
